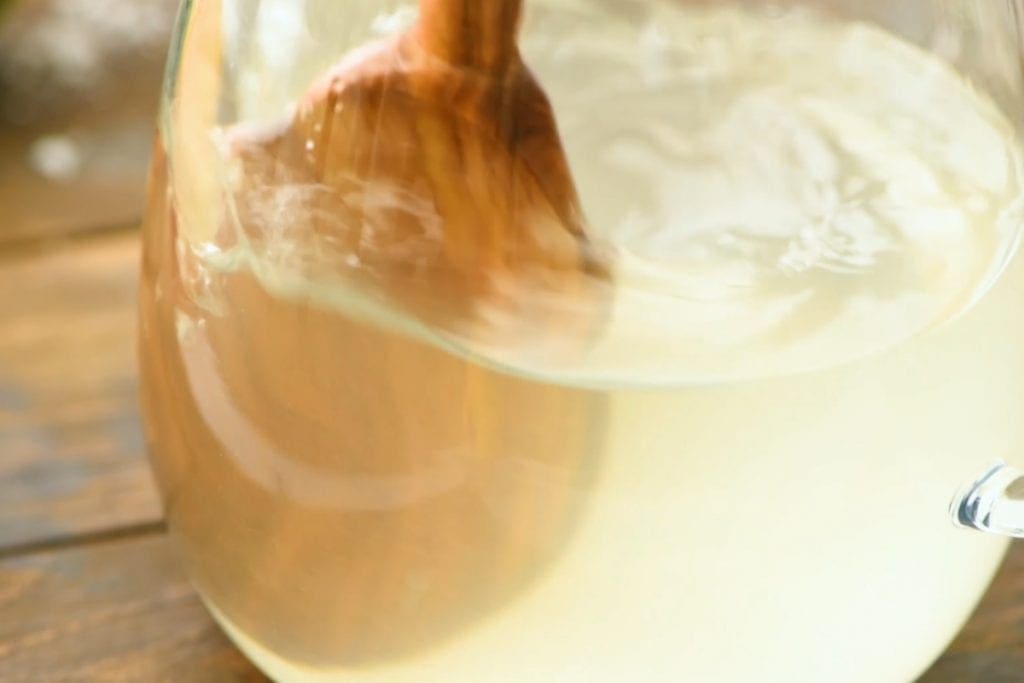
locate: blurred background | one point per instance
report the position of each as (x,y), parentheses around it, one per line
(79,84)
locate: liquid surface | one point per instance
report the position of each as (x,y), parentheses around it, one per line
(775,196)
(811,228)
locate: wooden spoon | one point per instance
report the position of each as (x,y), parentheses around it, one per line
(348,496)
(431,165)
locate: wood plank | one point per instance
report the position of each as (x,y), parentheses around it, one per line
(990,649)
(72,451)
(119,611)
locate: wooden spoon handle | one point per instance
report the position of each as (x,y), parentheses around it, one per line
(479,34)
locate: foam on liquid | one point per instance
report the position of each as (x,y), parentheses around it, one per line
(777,195)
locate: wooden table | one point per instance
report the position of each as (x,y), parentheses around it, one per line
(89,587)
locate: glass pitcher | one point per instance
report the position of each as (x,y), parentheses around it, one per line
(587,340)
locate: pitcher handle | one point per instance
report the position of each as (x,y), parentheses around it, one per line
(993,502)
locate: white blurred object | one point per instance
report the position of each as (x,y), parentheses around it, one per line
(56,157)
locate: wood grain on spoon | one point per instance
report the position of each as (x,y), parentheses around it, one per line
(432,161)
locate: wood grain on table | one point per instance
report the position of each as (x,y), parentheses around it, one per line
(89,587)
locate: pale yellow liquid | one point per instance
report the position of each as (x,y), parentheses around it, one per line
(814,337)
